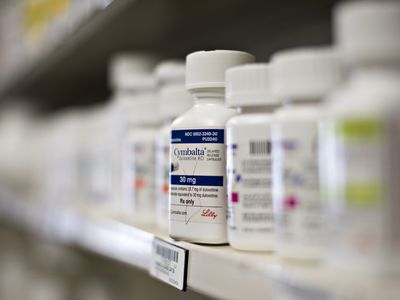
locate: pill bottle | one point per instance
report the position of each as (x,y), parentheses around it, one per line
(99,182)
(125,80)
(174,101)
(301,78)
(249,165)
(61,176)
(197,195)
(138,152)
(361,183)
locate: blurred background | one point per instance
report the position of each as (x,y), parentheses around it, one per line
(55,96)
(57,52)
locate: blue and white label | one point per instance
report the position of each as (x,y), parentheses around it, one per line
(197,176)
(197,180)
(197,136)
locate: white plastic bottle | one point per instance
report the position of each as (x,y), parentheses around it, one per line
(126,80)
(249,165)
(301,78)
(198,167)
(174,101)
(362,181)
(99,181)
(138,153)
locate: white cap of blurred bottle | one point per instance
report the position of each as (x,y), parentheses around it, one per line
(170,72)
(368,31)
(173,96)
(305,73)
(132,71)
(249,85)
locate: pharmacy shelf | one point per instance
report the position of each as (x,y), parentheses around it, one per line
(51,60)
(221,272)
(216,271)
(74,70)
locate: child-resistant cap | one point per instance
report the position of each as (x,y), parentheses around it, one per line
(174,100)
(305,73)
(368,31)
(170,71)
(132,71)
(249,85)
(206,69)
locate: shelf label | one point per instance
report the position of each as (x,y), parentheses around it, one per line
(169,263)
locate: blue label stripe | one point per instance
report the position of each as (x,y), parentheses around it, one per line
(197,180)
(197,136)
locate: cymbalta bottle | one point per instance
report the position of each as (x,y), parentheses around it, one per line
(197,195)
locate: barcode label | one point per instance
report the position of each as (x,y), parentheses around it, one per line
(261,147)
(167,253)
(169,263)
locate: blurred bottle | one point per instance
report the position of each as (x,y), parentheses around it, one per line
(302,78)
(124,69)
(362,137)
(174,100)
(135,110)
(249,165)
(97,163)
(138,169)
(15,135)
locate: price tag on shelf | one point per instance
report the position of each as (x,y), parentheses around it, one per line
(169,263)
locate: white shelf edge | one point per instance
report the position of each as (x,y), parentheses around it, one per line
(217,271)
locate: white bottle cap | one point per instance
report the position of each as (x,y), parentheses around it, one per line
(305,73)
(144,109)
(170,71)
(174,100)
(132,71)
(368,31)
(206,69)
(249,85)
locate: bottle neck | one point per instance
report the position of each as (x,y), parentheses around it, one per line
(209,98)
(257,109)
